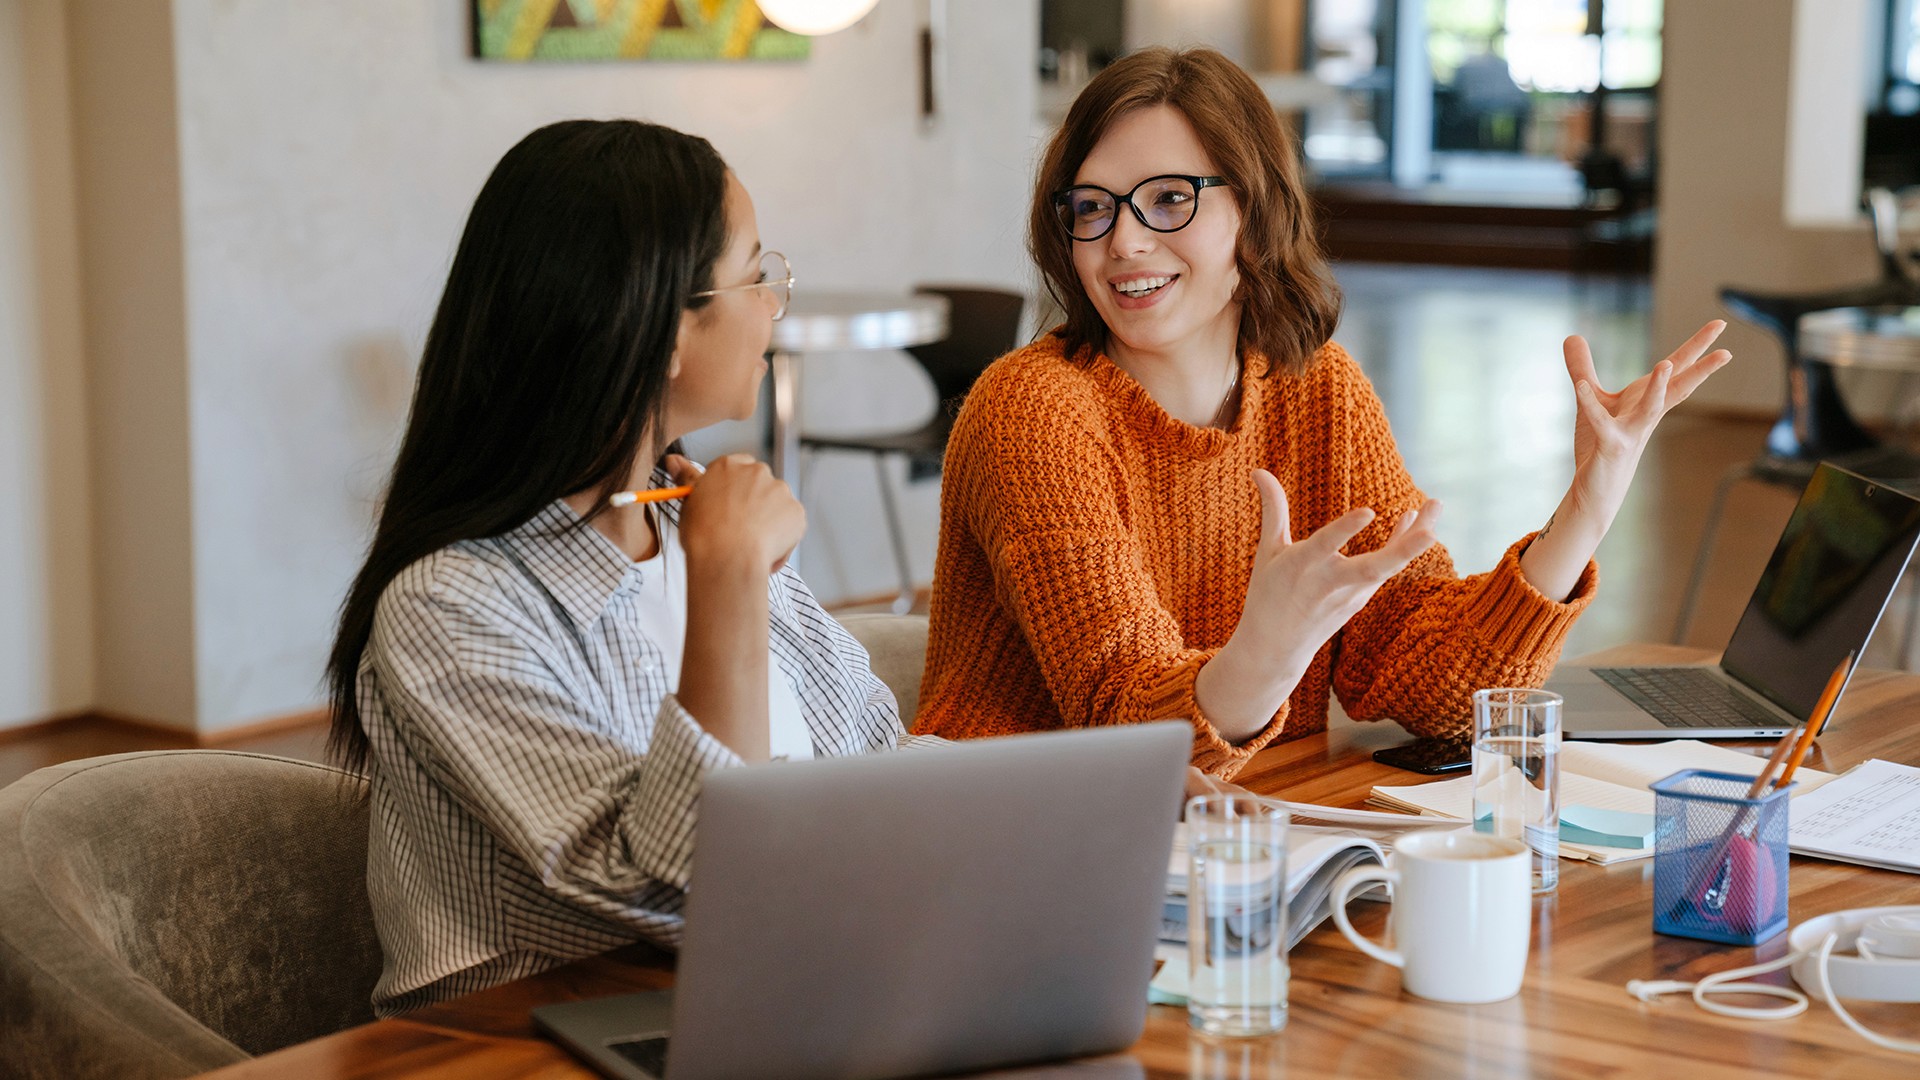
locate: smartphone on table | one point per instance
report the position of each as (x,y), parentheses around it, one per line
(1430,757)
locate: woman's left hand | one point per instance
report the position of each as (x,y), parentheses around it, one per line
(1610,432)
(1611,428)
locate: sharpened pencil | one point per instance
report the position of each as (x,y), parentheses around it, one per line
(651,495)
(1818,720)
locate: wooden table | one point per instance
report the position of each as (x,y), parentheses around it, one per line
(1573,1017)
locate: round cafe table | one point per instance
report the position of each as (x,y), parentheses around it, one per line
(1885,338)
(839,322)
(1879,338)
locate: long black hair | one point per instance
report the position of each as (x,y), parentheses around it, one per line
(546,367)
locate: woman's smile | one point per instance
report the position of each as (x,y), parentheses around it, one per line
(1142,289)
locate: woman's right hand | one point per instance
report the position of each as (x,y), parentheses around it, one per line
(739,511)
(1299,596)
(737,526)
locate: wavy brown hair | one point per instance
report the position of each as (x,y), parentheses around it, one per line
(1289,300)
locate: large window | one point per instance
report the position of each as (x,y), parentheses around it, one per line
(1509,88)
(1350,48)
(1892,147)
(1903,56)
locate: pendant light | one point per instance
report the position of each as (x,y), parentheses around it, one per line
(815,17)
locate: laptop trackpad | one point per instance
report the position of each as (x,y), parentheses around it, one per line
(647,1052)
(1592,705)
(1586,694)
(623,1036)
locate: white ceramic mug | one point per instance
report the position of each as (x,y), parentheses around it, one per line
(1462,914)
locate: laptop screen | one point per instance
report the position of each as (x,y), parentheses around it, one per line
(1824,588)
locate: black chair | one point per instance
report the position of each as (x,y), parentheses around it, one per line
(984,324)
(1815,424)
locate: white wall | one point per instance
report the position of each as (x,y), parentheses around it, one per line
(1724,121)
(1226,25)
(328,154)
(46,617)
(126,168)
(1825,135)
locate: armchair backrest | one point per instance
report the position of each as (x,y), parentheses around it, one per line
(164,913)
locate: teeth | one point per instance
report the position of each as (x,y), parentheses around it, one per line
(1142,286)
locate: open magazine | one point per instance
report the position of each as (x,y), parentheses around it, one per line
(1322,844)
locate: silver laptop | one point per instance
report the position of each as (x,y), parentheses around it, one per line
(932,911)
(1823,592)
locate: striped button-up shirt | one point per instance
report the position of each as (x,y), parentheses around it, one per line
(533,781)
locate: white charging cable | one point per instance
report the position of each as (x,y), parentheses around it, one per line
(1723,983)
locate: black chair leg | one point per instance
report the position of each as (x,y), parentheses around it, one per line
(1704,556)
(902,603)
(1814,421)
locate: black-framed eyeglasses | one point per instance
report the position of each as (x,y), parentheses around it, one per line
(1162,203)
(776,276)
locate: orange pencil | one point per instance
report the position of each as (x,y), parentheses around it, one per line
(651,495)
(1716,862)
(1780,749)
(1819,718)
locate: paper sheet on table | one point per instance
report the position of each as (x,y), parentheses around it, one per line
(1454,799)
(1637,765)
(1606,776)
(1870,815)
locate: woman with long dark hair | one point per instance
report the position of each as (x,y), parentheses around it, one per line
(1122,499)
(533,680)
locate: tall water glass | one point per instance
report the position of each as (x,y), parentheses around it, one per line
(1516,773)
(1236,915)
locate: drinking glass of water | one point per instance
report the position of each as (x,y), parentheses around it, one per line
(1516,773)
(1236,915)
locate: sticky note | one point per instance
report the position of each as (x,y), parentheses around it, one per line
(1605,828)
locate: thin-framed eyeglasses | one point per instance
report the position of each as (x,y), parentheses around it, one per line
(1089,211)
(776,276)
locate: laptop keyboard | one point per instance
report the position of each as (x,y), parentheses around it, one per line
(1687,697)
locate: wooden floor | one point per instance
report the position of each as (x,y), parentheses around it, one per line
(1468,364)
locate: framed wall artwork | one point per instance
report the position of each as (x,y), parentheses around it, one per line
(570,30)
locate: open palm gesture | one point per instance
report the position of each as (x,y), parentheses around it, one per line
(1611,428)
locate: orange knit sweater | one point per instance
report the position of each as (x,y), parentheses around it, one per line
(1095,552)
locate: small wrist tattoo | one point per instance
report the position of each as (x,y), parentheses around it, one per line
(1548,527)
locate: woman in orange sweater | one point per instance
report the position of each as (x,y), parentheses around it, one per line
(1185,501)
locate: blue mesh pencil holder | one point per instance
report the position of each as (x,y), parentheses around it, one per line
(1719,858)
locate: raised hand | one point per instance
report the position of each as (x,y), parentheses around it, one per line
(1300,595)
(739,525)
(1611,429)
(1303,593)
(1610,432)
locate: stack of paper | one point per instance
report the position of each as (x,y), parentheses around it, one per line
(1610,778)
(1870,815)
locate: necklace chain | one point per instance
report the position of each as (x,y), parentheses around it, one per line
(1222,416)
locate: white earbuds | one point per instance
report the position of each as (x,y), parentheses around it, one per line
(1890,936)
